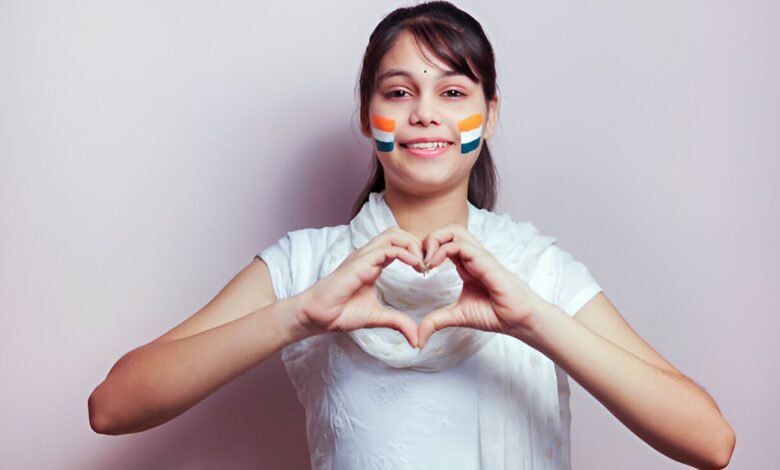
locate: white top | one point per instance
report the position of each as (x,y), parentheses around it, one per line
(362,414)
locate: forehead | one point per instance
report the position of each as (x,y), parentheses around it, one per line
(406,53)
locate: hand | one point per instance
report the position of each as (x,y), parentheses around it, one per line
(493,298)
(346,299)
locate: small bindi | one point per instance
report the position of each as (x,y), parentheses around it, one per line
(425,71)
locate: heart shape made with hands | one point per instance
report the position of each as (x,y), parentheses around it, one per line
(491,298)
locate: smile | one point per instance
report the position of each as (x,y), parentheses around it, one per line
(427,145)
(427,149)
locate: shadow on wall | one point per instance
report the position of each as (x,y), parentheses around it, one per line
(256,421)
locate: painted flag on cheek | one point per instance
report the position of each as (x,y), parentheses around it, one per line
(383,130)
(470,133)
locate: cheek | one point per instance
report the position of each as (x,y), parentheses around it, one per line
(470,129)
(383,132)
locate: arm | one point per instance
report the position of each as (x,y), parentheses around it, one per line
(597,348)
(645,392)
(154,383)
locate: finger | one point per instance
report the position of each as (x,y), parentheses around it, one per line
(466,258)
(370,264)
(471,262)
(413,247)
(380,258)
(398,321)
(444,235)
(459,250)
(408,241)
(433,322)
(432,243)
(395,236)
(462,271)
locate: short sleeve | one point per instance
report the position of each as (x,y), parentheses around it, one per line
(278,259)
(294,261)
(571,284)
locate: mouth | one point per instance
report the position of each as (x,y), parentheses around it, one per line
(427,147)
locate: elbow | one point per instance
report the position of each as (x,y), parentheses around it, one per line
(100,425)
(105,405)
(720,455)
(727,448)
(98,418)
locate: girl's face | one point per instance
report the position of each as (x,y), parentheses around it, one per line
(428,123)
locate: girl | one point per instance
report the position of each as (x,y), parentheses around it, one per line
(429,332)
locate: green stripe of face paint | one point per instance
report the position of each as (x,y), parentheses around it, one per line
(384,146)
(469,146)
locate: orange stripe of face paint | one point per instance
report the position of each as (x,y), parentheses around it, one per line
(383,124)
(470,123)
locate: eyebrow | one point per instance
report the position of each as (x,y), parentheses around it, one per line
(403,73)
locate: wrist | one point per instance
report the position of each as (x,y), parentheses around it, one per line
(539,325)
(292,319)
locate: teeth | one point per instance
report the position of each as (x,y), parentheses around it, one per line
(427,145)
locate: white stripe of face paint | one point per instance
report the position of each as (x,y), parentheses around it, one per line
(470,136)
(382,136)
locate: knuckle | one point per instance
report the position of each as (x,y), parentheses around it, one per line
(460,230)
(385,235)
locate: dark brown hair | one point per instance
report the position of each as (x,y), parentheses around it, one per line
(455,38)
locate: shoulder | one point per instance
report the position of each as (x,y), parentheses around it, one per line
(536,257)
(516,240)
(315,240)
(495,223)
(295,259)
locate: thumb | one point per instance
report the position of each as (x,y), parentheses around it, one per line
(433,322)
(396,320)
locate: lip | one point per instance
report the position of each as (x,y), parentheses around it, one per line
(426,153)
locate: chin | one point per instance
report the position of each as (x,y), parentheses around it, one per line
(422,184)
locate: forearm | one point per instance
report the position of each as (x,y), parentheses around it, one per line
(159,381)
(665,409)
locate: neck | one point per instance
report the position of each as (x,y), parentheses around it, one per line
(422,214)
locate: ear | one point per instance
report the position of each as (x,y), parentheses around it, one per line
(492,118)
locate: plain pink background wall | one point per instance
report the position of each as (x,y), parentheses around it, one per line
(149,149)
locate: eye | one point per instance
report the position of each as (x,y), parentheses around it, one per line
(396,94)
(452,93)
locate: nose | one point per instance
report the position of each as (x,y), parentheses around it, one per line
(424,112)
